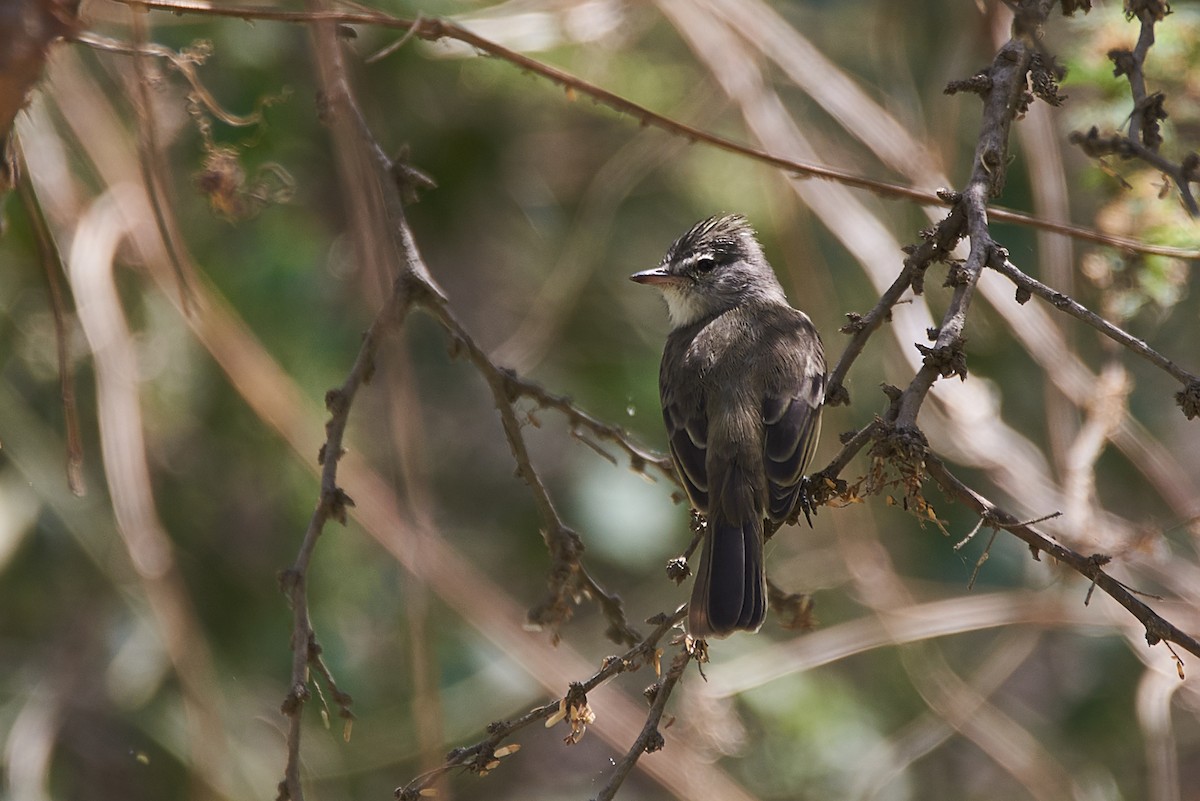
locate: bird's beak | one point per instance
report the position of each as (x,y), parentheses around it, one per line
(656,277)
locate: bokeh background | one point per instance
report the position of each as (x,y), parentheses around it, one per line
(913,685)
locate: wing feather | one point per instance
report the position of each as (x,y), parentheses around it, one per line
(687,435)
(791,411)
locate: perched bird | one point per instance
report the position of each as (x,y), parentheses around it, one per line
(742,382)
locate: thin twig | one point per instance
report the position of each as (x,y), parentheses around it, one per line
(332,504)
(937,246)
(1062,302)
(52,265)
(150,158)
(1157,628)
(650,739)
(184,62)
(432,29)
(568,572)
(480,754)
(1143,137)
(850,448)
(862,327)
(568,575)
(1136,73)
(639,457)
(333,501)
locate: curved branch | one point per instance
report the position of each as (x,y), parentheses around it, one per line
(432,29)
(639,457)
(937,245)
(566,548)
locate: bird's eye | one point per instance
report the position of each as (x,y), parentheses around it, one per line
(705,264)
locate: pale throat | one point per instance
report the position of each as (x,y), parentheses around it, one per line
(683,307)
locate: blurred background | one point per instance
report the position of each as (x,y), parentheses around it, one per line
(144,643)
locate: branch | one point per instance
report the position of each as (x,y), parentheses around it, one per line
(52,266)
(416,285)
(1027,286)
(568,576)
(332,504)
(1003,89)
(184,61)
(823,486)
(432,29)
(1144,135)
(650,739)
(1097,146)
(852,444)
(151,157)
(938,242)
(1157,628)
(479,756)
(639,457)
(333,501)
(911,460)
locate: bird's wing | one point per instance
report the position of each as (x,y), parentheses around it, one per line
(791,411)
(687,432)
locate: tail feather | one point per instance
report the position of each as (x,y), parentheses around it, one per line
(730,590)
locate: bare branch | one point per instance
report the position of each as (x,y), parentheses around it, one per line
(432,29)
(52,265)
(332,504)
(1004,96)
(1144,137)
(333,501)
(185,62)
(150,158)
(938,242)
(476,757)
(1027,285)
(1157,628)
(650,739)
(568,576)
(639,456)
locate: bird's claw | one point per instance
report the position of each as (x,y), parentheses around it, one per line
(805,503)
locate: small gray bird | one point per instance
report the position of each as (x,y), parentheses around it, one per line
(742,382)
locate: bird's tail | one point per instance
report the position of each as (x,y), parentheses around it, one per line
(731,585)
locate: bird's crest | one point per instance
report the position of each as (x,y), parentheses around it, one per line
(724,237)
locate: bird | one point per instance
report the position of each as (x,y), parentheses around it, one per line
(742,382)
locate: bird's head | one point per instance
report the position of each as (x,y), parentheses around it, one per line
(715,266)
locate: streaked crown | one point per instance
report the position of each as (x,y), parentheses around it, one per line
(724,238)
